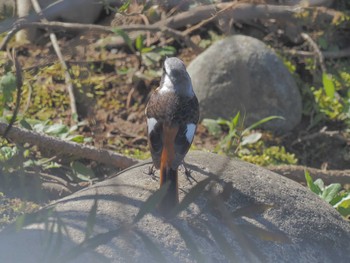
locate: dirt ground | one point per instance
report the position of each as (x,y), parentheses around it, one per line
(115,116)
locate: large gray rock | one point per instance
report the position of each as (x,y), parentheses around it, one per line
(247,214)
(77,11)
(241,73)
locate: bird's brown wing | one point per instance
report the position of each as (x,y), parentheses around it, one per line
(187,118)
(154,116)
(172,111)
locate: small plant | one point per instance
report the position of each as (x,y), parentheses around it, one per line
(260,154)
(332,194)
(16,158)
(328,103)
(245,143)
(237,135)
(7,89)
(149,56)
(58,130)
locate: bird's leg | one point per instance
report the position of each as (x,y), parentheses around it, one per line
(188,172)
(151,171)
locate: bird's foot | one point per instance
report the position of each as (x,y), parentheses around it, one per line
(188,173)
(151,170)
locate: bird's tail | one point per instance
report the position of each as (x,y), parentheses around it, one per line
(168,174)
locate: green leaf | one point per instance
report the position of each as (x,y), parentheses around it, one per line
(310,183)
(82,171)
(330,192)
(165,51)
(251,138)
(343,206)
(7,152)
(56,129)
(75,138)
(147,49)
(8,86)
(262,121)
(151,58)
(319,183)
(124,7)
(126,38)
(224,122)
(25,124)
(235,121)
(139,43)
(213,126)
(328,85)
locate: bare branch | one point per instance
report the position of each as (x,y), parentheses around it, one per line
(107,29)
(326,54)
(244,11)
(60,147)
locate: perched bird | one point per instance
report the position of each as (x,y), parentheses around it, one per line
(172,115)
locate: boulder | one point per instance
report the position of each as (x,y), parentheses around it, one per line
(237,212)
(241,73)
(77,11)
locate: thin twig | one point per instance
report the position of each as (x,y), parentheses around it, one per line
(68,78)
(210,19)
(316,49)
(326,54)
(60,147)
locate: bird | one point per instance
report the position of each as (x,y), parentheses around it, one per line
(172,114)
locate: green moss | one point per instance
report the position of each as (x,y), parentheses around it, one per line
(331,107)
(137,153)
(259,154)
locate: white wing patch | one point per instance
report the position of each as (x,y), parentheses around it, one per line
(191,129)
(151,122)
